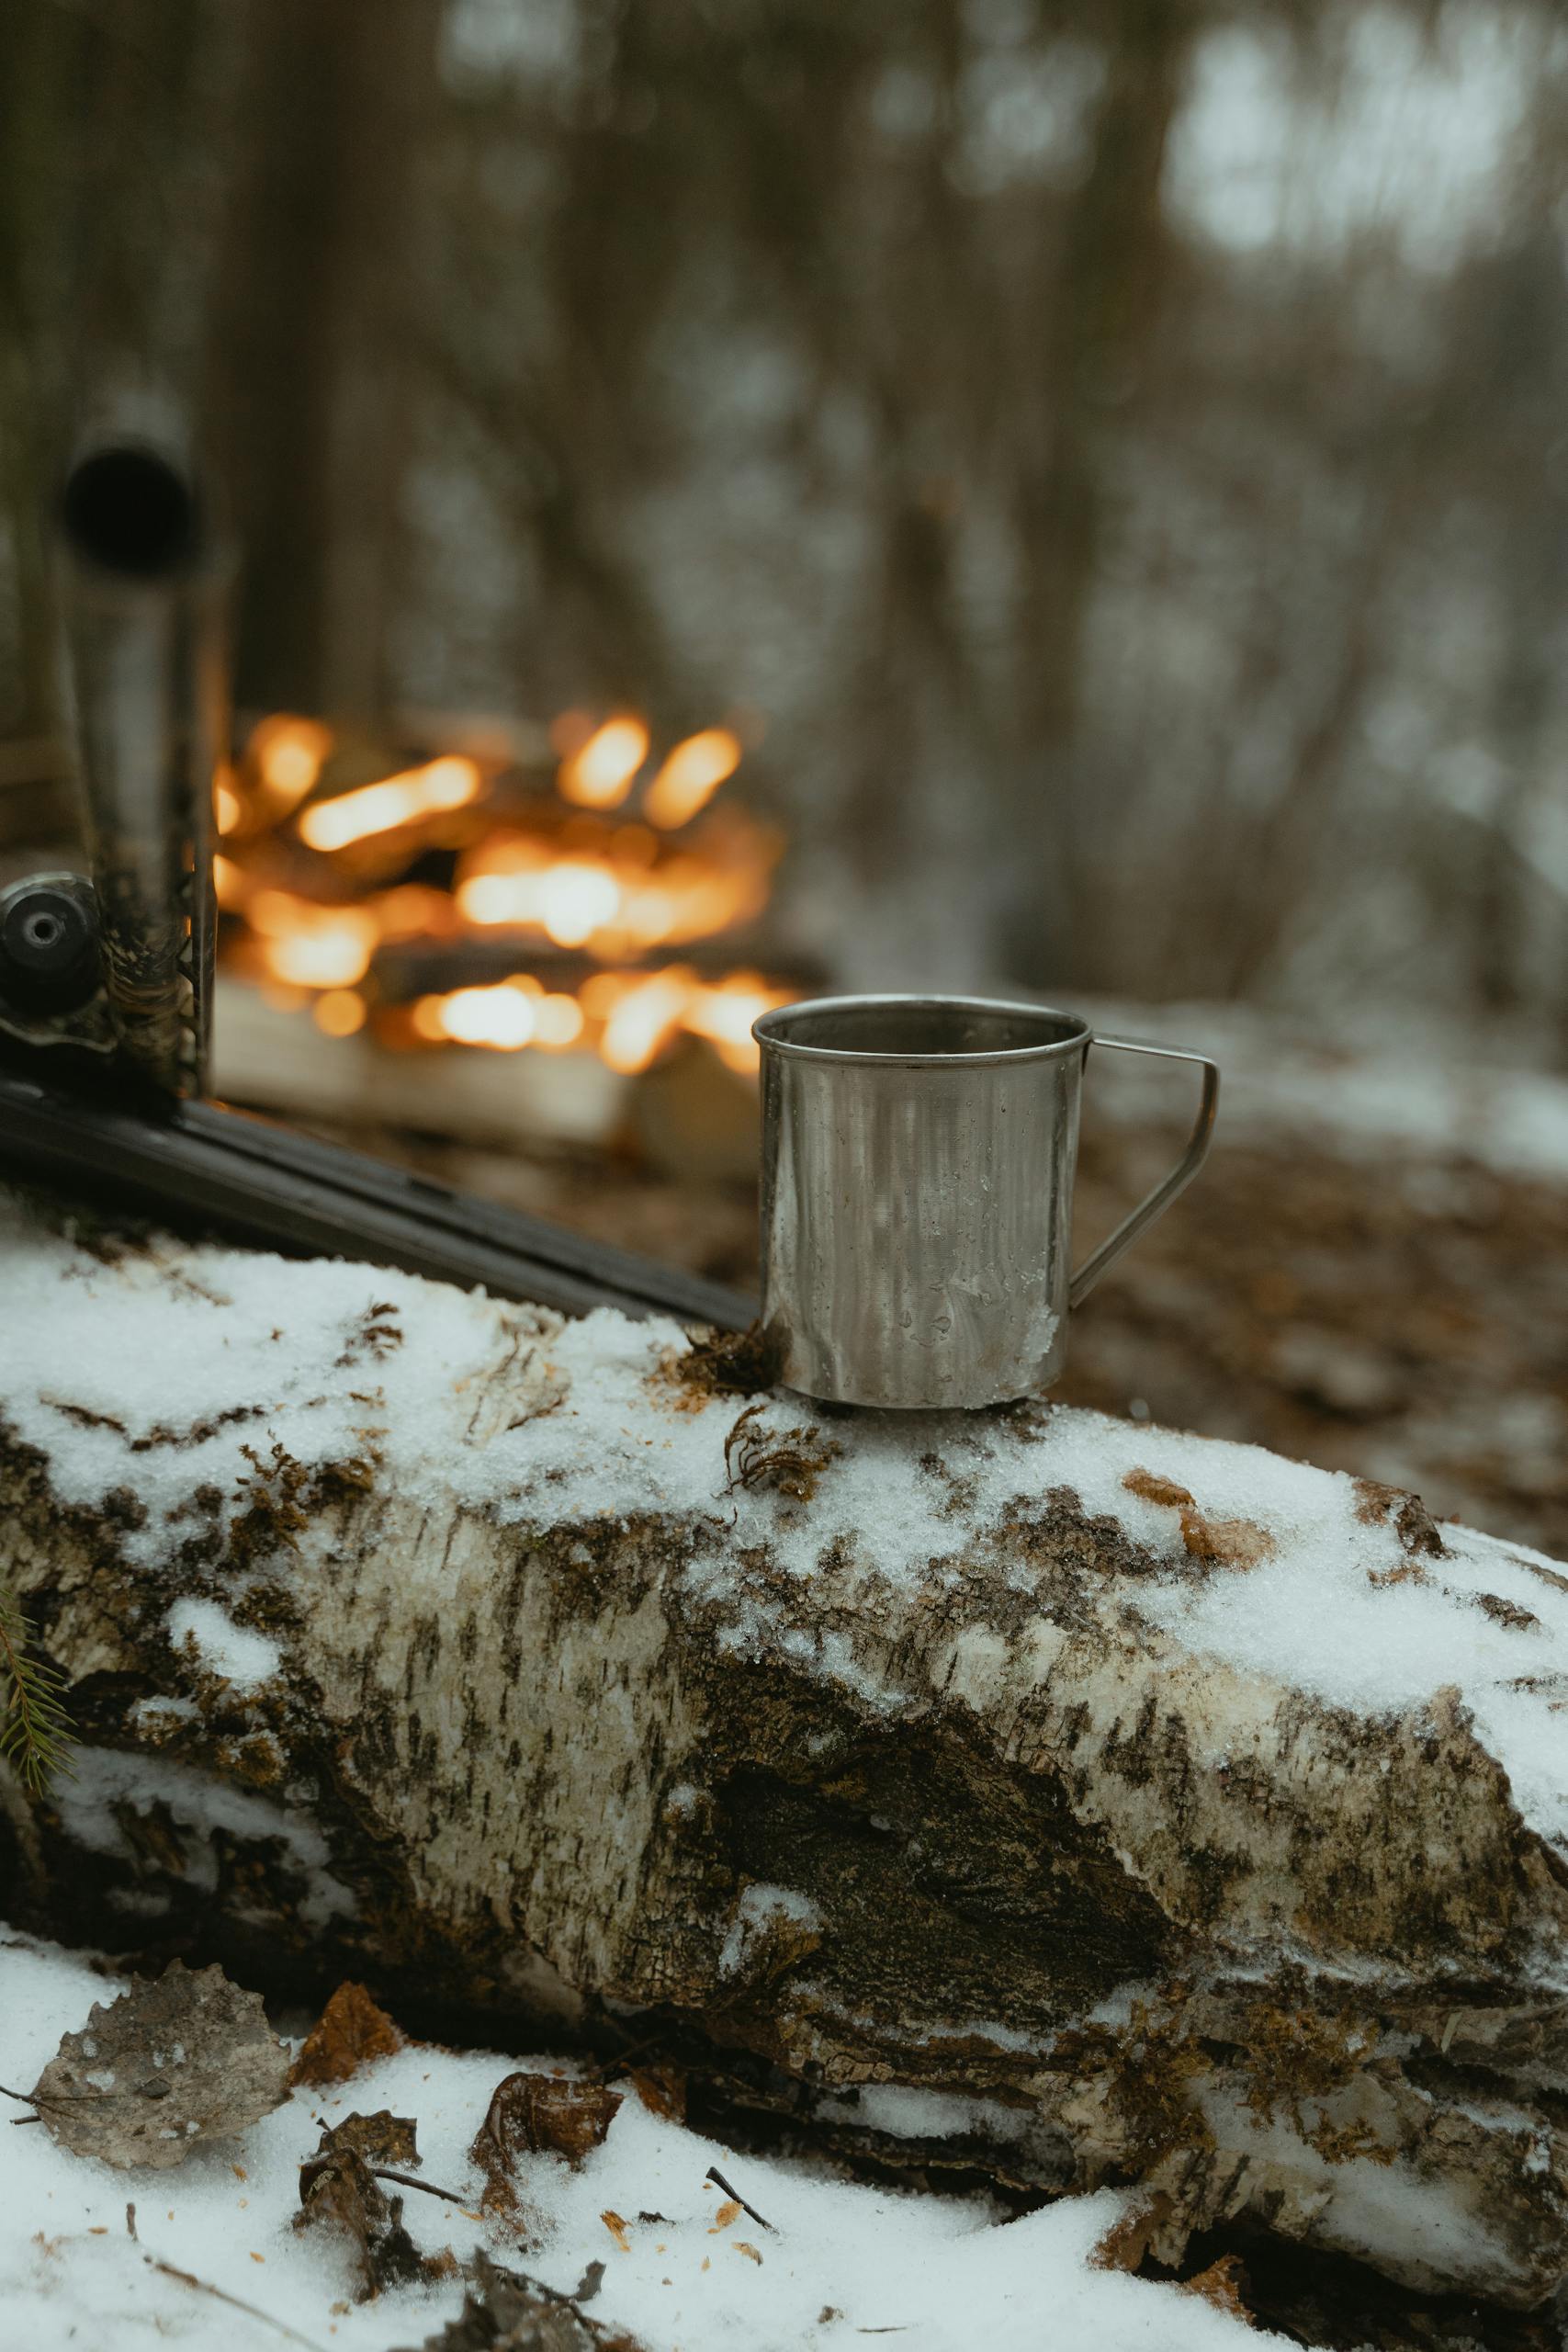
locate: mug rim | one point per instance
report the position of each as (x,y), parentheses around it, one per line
(766,1030)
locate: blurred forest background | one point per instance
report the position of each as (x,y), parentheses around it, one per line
(1121,452)
(1109,465)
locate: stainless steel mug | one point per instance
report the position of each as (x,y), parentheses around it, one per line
(918,1161)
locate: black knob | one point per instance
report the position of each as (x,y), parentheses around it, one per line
(48,944)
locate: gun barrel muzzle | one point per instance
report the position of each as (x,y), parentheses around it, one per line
(142,608)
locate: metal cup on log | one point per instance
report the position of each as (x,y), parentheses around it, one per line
(918,1163)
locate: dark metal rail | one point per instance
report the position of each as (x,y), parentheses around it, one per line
(201,1163)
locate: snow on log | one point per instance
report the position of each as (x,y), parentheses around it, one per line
(1024,1787)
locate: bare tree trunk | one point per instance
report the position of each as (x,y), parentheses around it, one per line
(1104,306)
(308,374)
(429,1639)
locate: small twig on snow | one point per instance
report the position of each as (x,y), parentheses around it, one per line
(719,2181)
(252,2311)
(407,2180)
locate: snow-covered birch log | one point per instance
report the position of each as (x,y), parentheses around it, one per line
(1026,1787)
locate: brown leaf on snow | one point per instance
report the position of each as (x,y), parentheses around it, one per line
(1128,2242)
(350,2032)
(1223,2285)
(1221,1542)
(1377,1505)
(339,2192)
(538,2115)
(504,2311)
(381,2139)
(1229,1542)
(662,2090)
(1155,1490)
(177,2060)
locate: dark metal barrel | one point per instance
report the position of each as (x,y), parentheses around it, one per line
(142,607)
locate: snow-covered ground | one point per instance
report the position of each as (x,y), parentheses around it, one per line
(840,2260)
(1447,1089)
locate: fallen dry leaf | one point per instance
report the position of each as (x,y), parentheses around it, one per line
(731,2211)
(617,2230)
(177,2060)
(662,2090)
(1154,1488)
(338,2191)
(1220,1542)
(350,2032)
(1222,2284)
(742,2247)
(1413,1523)
(381,2139)
(1127,2243)
(504,2311)
(538,2115)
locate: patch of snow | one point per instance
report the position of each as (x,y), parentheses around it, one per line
(907,2112)
(104,1780)
(948,2273)
(245,1658)
(759,1908)
(1427,1088)
(1363,2207)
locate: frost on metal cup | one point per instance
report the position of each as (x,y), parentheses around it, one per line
(917,1162)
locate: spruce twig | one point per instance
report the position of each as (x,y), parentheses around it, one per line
(35,1730)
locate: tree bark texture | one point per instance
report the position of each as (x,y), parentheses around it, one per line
(853,1759)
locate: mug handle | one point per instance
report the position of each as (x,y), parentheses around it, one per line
(1165,1192)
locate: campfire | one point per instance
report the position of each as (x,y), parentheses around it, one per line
(591,900)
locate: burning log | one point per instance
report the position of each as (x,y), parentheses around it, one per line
(459,901)
(1024,1788)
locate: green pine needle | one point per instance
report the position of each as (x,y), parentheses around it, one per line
(35,1730)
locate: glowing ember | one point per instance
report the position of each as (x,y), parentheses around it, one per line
(500,1017)
(617,903)
(646,1018)
(599,775)
(635,1015)
(340,1012)
(690,777)
(311,946)
(227,808)
(286,756)
(230,883)
(439,786)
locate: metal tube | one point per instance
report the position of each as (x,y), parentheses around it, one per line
(142,608)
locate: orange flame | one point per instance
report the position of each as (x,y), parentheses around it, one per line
(636,1015)
(616,902)
(286,755)
(690,777)
(313,946)
(441,784)
(599,773)
(227,808)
